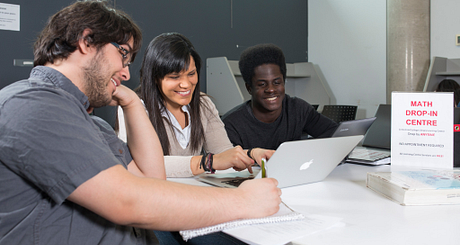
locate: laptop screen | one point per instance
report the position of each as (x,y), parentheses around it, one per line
(353,127)
(379,134)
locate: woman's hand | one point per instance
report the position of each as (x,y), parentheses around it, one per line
(235,158)
(238,159)
(259,153)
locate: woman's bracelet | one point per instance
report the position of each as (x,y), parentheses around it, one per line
(206,163)
(209,163)
(203,163)
(249,153)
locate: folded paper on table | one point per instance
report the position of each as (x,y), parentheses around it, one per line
(284,214)
(282,233)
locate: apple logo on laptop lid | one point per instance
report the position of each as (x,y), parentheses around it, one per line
(306,165)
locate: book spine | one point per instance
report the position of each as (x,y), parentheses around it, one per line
(386,188)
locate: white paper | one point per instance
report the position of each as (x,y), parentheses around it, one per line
(9,17)
(422,129)
(259,175)
(284,215)
(282,233)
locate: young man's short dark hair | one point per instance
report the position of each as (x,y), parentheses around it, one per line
(258,55)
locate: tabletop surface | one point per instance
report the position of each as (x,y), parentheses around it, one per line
(368,217)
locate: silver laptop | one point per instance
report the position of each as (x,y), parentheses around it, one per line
(295,162)
(353,127)
(377,142)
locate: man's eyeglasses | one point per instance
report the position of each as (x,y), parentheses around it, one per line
(124,53)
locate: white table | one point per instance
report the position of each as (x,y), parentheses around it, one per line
(369,217)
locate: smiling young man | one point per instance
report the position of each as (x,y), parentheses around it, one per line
(271,117)
(65,177)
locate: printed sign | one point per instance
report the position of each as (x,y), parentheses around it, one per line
(421,130)
(9,17)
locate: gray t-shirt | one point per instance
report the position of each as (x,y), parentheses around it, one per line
(49,146)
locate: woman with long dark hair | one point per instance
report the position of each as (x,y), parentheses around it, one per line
(191,133)
(188,125)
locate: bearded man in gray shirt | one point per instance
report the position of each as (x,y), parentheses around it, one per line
(65,178)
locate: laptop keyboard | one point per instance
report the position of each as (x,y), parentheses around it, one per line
(361,153)
(235,182)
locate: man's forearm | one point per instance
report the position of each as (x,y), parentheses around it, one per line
(143,141)
(126,199)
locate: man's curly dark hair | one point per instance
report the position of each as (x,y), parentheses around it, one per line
(64,29)
(260,54)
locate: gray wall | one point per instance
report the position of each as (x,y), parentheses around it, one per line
(445,24)
(347,40)
(216,28)
(19,44)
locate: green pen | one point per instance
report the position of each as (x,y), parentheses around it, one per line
(264,174)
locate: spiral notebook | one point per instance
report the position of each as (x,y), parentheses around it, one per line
(284,214)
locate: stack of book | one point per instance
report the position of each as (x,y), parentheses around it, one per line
(423,187)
